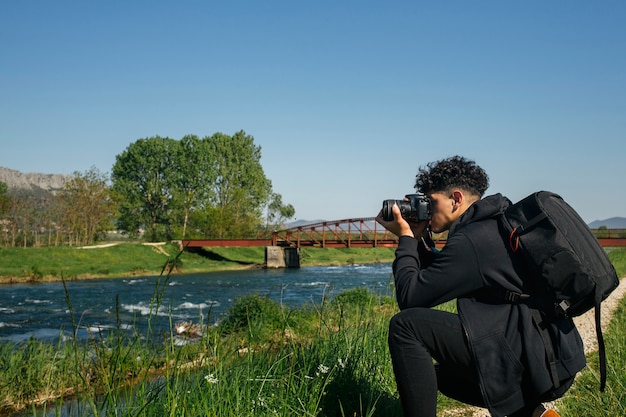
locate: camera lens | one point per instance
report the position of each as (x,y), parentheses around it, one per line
(387,213)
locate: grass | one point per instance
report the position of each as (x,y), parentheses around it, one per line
(585,398)
(308,256)
(328,358)
(55,263)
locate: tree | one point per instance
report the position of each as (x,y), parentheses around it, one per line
(277,212)
(142,178)
(86,207)
(240,190)
(4,209)
(4,200)
(194,177)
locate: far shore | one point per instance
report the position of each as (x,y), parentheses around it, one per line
(8,280)
(126,260)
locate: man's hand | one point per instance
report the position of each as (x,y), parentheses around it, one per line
(399,226)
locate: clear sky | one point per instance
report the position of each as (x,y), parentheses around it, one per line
(346,98)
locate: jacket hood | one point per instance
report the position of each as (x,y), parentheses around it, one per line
(486,207)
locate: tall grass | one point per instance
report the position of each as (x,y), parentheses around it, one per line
(328,358)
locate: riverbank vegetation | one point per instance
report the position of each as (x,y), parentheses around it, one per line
(327,358)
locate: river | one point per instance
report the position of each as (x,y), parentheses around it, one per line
(44,311)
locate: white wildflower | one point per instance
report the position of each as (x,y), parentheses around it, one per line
(211,379)
(323,369)
(260,402)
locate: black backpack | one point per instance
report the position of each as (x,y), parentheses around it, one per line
(571,272)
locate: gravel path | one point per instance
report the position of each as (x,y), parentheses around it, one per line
(586,325)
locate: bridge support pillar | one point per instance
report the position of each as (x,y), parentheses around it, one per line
(277,257)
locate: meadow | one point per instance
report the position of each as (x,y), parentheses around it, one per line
(323,359)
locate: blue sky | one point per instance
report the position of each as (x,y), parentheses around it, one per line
(346,98)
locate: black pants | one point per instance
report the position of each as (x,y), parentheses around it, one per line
(416,337)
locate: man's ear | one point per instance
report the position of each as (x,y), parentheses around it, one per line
(457,196)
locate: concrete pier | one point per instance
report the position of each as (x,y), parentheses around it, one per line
(278,257)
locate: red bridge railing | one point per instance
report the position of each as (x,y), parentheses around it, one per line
(357,232)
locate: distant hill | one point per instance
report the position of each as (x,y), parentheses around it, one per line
(612,223)
(32,182)
(370,224)
(297,223)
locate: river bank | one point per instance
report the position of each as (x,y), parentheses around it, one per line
(50,264)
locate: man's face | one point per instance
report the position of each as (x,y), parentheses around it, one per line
(442,204)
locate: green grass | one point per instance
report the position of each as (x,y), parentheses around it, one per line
(585,398)
(309,256)
(618,259)
(50,263)
(345,256)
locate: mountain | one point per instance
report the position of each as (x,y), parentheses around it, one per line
(32,182)
(612,223)
(297,223)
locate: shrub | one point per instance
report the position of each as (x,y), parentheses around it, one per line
(252,311)
(354,297)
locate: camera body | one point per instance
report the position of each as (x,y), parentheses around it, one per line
(416,208)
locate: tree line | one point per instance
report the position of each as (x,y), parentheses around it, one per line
(159,189)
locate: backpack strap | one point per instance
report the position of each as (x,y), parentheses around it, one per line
(601,349)
(547,342)
(522,229)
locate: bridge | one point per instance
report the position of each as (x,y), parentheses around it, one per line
(346,233)
(355,233)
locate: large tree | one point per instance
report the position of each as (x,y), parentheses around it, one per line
(241,189)
(143,180)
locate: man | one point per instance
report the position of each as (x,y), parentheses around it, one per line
(490,354)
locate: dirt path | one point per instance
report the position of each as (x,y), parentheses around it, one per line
(586,325)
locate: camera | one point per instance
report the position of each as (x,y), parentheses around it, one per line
(416,209)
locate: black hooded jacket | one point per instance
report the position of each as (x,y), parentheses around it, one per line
(507,347)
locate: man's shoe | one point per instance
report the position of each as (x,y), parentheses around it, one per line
(541,411)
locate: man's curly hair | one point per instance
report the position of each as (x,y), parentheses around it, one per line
(450,173)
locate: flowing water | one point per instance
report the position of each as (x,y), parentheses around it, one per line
(44,311)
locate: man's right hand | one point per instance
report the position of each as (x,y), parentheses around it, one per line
(399,226)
